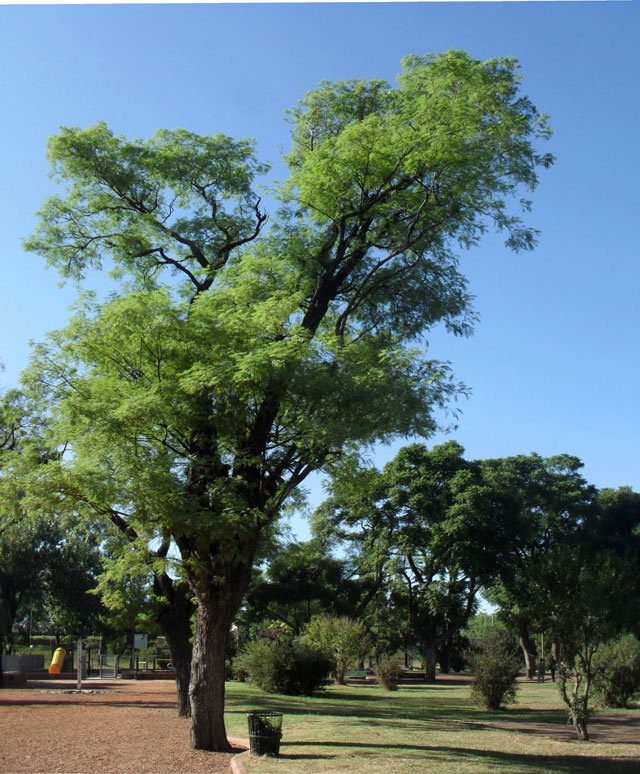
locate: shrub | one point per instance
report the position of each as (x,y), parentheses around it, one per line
(495,666)
(617,671)
(388,670)
(291,667)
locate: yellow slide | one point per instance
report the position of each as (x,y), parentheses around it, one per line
(56,661)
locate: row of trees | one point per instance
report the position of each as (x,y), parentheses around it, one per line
(420,540)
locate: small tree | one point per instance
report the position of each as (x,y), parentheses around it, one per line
(617,671)
(495,666)
(586,594)
(342,638)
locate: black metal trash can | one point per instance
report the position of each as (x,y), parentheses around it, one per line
(265,732)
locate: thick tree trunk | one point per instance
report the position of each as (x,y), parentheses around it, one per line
(206,688)
(218,603)
(430,660)
(443,659)
(181,655)
(175,621)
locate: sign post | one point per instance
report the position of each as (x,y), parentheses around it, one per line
(79,654)
(140,642)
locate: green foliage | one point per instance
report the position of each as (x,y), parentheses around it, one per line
(388,671)
(300,581)
(289,666)
(48,564)
(617,671)
(48,573)
(341,638)
(495,666)
(436,527)
(453,128)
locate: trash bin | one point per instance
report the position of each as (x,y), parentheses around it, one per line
(265,732)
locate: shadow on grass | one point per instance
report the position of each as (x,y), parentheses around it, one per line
(533,764)
(375,708)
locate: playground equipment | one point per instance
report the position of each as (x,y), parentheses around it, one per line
(56,662)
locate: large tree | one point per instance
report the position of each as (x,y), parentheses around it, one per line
(441,529)
(211,392)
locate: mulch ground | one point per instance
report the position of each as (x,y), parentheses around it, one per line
(122,727)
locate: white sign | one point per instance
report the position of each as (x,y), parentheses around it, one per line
(140,641)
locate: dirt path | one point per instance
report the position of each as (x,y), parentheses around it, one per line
(125,727)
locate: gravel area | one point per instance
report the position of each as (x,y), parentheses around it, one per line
(112,727)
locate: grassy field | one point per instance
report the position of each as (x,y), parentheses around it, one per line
(435,729)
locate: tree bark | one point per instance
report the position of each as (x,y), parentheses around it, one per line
(443,657)
(206,687)
(528,650)
(430,660)
(218,600)
(175,621)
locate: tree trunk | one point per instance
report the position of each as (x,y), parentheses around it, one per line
(175,621)
(430,660)
(581,729)
(218,598)
(528,650)
(443,658)
(206,687)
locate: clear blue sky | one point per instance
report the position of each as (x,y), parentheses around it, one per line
(554,364)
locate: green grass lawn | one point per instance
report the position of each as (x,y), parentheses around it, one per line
(435,729)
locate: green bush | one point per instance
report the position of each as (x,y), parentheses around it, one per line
(495,666)
(617,671)
(290,667)
(344,640)
(388,671)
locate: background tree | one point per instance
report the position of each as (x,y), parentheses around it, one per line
(615,526)
(584,592)
(47,565)
(550,501)
(39,481)
(68,580)
(304,580)
(271,353)
(300,581)
(443,529)
(48,573)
